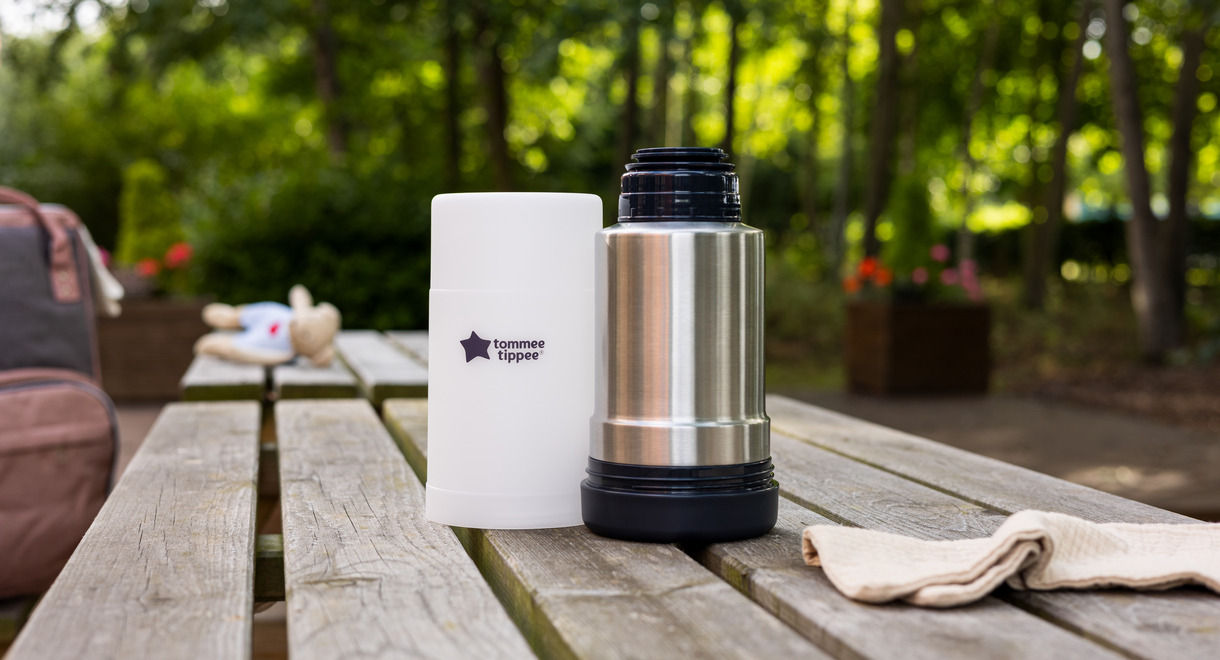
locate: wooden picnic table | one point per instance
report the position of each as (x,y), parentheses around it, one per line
(173,565)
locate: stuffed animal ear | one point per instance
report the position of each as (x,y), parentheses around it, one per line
(299,298)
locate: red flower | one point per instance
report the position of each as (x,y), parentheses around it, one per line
(884,276)
(148,267)
(178,255)
(851,285)
(868,267)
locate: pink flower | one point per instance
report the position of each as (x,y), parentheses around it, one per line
(948,277)
(105,255)
(920,276)
(178,255)
(940,252)
(968,267)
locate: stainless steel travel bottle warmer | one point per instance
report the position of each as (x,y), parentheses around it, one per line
(680,445)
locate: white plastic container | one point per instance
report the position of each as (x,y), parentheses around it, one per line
(510,358)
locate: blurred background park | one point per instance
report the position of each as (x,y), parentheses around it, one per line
(1055,160)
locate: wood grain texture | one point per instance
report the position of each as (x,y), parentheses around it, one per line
(580,595)
(210,378)
(1173,624)
(166,570)
(414,341)
(986,481)
(302,380)
(771,571)
(382,369)
(365,574)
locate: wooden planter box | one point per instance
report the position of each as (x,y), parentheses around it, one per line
(917,348)
(147,349)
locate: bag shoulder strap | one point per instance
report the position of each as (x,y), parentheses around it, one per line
(65,281)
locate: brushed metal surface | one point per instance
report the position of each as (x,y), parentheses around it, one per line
(680,343)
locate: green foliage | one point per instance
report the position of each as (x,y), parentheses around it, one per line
(149,215)
(213,109)
(804,311)
(356,241)
(914,230)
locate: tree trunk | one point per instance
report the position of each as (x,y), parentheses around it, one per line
(326,78)
(453,69)
(659,123)
(491,79)
(689,97)
(730,88)
(842,198)
(965,237)
(631,105)
(1151,296)
(1176,230)
(884,123)
(1044,238)
(807,181)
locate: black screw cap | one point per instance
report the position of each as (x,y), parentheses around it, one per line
(679,184)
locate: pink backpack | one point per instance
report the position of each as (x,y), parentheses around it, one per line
(58,433)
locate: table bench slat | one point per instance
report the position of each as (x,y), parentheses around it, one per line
(166,569)
(210,378)
(1174,624)
(383,370)
(987,481)
(415,341)
(365,573)
(577,594)
(302,380)
(770,569)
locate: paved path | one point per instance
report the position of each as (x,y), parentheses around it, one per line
(1166,466)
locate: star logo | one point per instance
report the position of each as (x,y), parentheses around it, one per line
(475,346)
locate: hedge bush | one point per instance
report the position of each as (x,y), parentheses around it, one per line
(359,242)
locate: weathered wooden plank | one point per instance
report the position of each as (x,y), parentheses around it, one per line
(579,595)
(302,380)
(365,573)
(771,571)
(1175,624)
(382,370)
(166,570)
(414,341)
(210,378)
(996,484)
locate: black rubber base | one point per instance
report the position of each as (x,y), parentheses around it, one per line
(680,504)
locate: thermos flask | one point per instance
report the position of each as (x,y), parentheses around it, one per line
(680,439)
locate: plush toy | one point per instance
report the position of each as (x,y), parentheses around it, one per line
(272,333)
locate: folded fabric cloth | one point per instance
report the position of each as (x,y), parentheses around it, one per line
(1031,550)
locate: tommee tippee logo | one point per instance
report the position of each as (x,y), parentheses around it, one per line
(507,350)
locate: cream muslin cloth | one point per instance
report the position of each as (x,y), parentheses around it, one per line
(1031,550)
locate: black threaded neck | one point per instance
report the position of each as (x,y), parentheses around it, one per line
(679,184)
